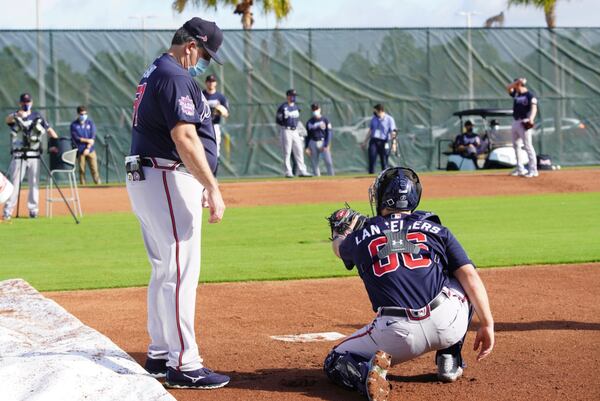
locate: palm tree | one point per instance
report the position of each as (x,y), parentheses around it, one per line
(281,8)
(549,7)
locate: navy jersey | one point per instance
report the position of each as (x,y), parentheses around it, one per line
(166,95)
(467,139)
(318,129)
(522,104)
(214,100)
(86,130)
(405,280)
(288,116)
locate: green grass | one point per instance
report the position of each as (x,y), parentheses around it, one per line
(289,242)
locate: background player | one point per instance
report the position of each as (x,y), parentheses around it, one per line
(20,162)
(83,135)
(318,140)
(414,271)
(525,107)
(288,118)
(468,143)
(382,132)
(219,107)
(170,169)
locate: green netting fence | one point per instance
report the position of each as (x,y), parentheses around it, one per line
(421,75)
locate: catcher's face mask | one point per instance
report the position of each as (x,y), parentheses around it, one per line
(397,188)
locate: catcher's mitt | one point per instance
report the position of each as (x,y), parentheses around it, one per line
(527,124)
(345,220)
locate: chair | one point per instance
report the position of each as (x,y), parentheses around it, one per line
(69,157)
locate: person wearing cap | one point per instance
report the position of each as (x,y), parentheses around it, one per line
(25,162)
(382,131)
(83,135)
(468,143)
(288,118)
(219,106)
(525,108)
(170,177)
(318,140)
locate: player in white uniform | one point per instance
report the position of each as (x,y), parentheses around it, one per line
(170,171)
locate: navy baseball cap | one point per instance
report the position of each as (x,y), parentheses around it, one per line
(208,34)
(291,92)
(211,78)
(25,98)
(315,106)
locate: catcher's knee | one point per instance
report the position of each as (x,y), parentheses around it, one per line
(346,370)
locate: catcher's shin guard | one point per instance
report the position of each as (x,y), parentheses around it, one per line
(347,370)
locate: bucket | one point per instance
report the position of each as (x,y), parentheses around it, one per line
(6,188)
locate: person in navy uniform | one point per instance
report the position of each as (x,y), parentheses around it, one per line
(26,119)
(525,108)
(170,177)
(381,137)
(83,135)
(219,106)
(468,143)
(288,118)
(318,140)
(420,283)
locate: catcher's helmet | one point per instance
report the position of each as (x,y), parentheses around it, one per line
(397,188)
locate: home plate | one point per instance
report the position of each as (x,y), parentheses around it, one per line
(48,354)
(310,337)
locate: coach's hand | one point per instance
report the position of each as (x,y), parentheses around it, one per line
(215,205)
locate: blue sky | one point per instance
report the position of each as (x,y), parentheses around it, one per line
(92,14)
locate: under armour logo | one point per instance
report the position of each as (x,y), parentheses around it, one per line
(396,242)
(203,38)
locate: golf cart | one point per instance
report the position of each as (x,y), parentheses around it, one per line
(494,127)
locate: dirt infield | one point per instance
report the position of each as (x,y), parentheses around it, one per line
(296,191)
(547,322)
(547,317)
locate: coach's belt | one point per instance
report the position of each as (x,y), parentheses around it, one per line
(416,314)
(152,162)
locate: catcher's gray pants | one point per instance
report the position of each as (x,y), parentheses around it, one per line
(292,144)
(405,339)
(519,134)
(168,205)
(316,150)
(32,168)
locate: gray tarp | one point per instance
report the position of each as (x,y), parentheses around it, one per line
(421,75)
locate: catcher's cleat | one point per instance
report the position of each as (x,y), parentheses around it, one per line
(378,388)
(448,367)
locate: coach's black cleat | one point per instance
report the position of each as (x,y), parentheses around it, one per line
(203,379)
(156,368)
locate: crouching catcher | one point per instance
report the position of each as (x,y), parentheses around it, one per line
(422,285)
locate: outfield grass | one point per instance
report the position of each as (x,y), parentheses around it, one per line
(288,242)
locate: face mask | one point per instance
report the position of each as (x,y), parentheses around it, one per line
(316,114)
(26,107)
(199,68)
(83,117)
(293,99)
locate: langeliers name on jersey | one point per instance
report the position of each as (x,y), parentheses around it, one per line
(373,230)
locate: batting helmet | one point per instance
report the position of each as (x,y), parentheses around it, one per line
(396,188)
